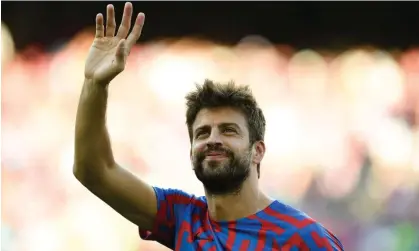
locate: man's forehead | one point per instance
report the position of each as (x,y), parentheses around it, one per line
(218,116)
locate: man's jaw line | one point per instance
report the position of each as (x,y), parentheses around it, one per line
(233,206)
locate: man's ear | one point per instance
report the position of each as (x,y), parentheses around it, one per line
(259,152)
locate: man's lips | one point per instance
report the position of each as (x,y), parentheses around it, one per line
(215,155)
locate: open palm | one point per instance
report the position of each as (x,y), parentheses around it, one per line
(108,54)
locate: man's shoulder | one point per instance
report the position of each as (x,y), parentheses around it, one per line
(309,229)
(180,197)
(318,236)
(296,217)
(199,201)
(290,214)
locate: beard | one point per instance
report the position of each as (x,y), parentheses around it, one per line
(225,176)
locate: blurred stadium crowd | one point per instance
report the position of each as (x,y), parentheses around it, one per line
(342,138)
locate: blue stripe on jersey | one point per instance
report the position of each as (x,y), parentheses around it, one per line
(183,224)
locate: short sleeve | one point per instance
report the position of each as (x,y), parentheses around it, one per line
(316,237)
(171,204)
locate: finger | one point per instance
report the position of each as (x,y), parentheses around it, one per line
(126,21)
(121,53)
(136,31)
(110,21)
(99,26)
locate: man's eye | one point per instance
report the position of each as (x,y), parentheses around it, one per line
(229,130)
(200,135)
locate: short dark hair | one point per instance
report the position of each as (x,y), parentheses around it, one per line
(213,94)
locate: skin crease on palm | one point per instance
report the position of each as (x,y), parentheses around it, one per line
(107,58)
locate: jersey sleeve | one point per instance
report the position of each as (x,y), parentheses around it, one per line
(316,237)
(170,206)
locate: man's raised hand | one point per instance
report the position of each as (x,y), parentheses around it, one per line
(108,54)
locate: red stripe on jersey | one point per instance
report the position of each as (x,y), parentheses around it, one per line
(321,242)
(295,241)
(245,245)
(289,219)
(231,235)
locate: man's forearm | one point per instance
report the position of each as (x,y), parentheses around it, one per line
(92,144)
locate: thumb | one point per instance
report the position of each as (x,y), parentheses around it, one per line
(121,52)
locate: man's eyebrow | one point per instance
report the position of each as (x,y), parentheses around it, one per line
(203,127)
(229,124)
(221,125)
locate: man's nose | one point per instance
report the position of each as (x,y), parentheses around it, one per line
(214,139)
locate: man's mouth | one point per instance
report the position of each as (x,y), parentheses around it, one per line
(215,155)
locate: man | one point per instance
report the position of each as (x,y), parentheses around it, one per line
(226,130)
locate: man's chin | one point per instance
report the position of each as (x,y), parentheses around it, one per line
(221,185)
(214,164)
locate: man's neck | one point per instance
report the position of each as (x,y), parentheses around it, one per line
(248,201)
